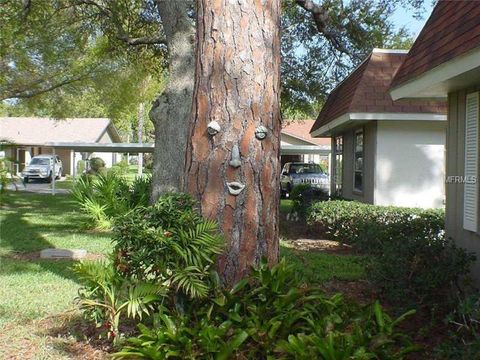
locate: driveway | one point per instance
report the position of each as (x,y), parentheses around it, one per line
(38,187)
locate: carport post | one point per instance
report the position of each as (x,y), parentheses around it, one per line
(53,172)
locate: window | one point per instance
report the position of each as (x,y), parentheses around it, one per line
(305,168)
(338,165)
(358,161)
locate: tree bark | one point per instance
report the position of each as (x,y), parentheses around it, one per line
(171,111)
(237,84)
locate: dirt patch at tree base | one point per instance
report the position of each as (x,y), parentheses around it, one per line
(61,336)
(328,246)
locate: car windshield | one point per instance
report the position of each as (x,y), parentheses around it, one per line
(305,169)
(40,161)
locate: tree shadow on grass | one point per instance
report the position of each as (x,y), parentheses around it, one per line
(22,234)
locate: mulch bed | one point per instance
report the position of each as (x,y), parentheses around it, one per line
(322,245)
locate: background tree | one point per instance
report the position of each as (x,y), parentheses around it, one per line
(323,40)
(233,174)
(57,56)
(171,111)
(79,59)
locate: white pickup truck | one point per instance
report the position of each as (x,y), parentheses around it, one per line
(42,167)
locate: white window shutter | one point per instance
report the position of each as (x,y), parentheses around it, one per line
(470,199)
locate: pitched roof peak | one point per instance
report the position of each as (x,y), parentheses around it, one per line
(366,90)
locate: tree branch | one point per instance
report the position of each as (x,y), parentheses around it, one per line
(140,40)
(29,93)
(321,19)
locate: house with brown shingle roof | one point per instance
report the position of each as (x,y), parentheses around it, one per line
(30,136)
(384,152)
(444,62)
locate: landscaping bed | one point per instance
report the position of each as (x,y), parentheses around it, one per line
(38,317)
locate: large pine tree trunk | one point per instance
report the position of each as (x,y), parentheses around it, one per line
(237,85)
(171,112)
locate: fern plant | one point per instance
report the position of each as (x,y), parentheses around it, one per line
(105,196)
(168,242)
(106,297)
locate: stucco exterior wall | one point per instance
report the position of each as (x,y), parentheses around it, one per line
(410,163)
(348,191)
(455,167)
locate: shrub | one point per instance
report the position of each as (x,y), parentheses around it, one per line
(303,195)
(168,242)
(413,262)
(80,166)
(120,168)
(270,315)
(106,196)
(97,165)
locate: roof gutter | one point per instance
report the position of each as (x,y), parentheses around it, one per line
(326,130)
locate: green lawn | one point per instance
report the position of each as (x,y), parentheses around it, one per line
(133,172)
(33,288)
(286,206)
(318,267)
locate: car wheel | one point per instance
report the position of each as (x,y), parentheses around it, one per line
(49,178)
(25,180)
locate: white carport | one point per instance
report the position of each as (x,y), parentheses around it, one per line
(134,148)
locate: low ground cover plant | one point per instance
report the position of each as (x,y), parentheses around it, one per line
(464,337)
(413,262)
(269,315)
(168,242)
(162,278)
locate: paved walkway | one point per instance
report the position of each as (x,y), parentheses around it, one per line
(37,186)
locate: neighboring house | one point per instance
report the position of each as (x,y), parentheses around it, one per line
(297,132)
(30,136)
(444,62)
(385,152)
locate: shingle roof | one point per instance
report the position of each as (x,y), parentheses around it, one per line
(33,131)
(452,29)
(366,90)
(300,129)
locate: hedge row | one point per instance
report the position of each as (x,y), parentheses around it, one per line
(413,261)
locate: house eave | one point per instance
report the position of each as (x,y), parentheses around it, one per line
(343,120)
(436,83)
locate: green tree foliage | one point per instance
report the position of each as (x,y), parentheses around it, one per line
(76,58)
(89,57)
(322,41)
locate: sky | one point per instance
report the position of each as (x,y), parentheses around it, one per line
(404,17)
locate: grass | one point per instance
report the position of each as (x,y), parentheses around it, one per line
(286,206)
(32,287)
(132,172)
(318,267)
(64,184)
